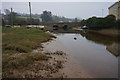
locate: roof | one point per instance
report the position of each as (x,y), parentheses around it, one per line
(114,4)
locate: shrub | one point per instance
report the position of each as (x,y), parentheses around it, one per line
(118,24)
(100,23)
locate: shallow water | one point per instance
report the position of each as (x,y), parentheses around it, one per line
(88,53)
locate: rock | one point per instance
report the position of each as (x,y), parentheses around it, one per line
(75,38)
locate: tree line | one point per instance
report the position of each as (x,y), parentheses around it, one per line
(15,18)
(101,23)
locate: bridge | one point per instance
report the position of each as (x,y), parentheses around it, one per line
(70,24)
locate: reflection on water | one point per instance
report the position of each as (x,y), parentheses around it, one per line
(112,44)
(92,52)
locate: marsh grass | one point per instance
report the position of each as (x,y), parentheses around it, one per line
(18,60)
(17,46)
(22,39)
(21,61)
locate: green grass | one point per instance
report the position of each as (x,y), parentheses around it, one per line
(17,46)
(22,39)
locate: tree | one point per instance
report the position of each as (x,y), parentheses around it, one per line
(8,17)
(7,11)
(118,24)
(110,21)
(46,16)
(100,23)
(3,22)
(83,22)
(76,20)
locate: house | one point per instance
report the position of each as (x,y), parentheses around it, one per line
(115,10)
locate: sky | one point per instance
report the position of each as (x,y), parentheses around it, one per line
(82,10)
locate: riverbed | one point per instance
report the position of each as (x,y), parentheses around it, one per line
(88,55)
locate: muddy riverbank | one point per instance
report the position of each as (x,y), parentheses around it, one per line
(70,68)
(84,56)
(115,33)
(69,55)
(19,60)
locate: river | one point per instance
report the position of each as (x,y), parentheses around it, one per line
(93,53)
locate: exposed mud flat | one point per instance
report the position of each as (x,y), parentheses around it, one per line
(71,58)
(39,68)
(73,70)
(84,57)
(70,68)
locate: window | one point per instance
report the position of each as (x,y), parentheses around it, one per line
(114,10)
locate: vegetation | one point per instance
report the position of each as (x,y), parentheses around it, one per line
(22,39)
(118,24)
(46,16)
(14,18)
(18,59)
(30,65)
(100,23)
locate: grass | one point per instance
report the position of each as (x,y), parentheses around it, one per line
(30,65)
(18,61)
(17,46)
(22,39)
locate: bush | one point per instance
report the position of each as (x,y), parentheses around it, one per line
(118,24)
(100,23)
(110,21)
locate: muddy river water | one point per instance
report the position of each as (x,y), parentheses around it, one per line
(92,55)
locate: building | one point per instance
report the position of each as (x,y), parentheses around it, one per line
(115,10)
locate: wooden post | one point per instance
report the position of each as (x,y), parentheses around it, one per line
(11,17)
(30,13)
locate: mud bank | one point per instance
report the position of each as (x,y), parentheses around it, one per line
(84,58)
(70,68)
(107,32)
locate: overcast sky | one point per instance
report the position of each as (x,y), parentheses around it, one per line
(68,9)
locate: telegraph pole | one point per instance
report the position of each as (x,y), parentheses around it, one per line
(11,17)
(30,12)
